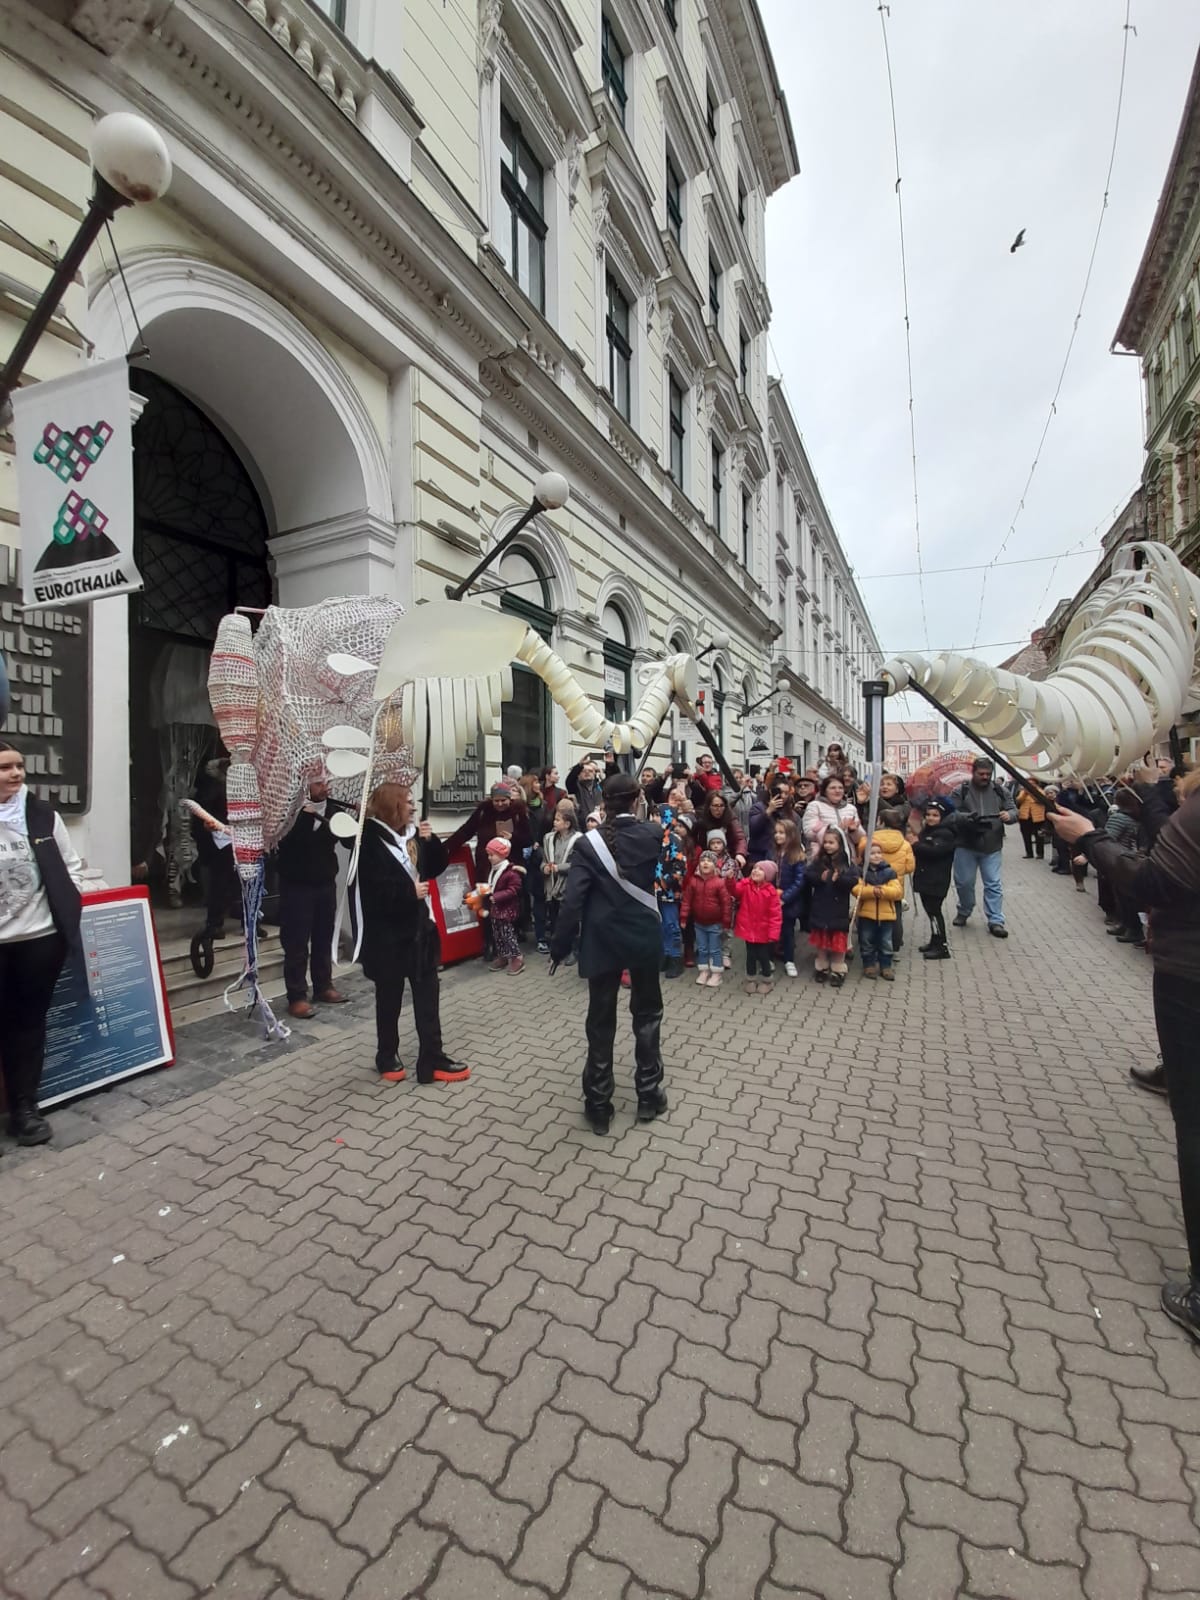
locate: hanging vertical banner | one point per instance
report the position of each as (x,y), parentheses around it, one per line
(74,440)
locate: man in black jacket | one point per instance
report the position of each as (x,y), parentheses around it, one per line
(1167,884)
(610,891)
(397,936)
(308,867)
(982,810)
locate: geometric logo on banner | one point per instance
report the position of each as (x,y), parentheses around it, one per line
(69,455)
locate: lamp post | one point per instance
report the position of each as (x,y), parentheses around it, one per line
(718,641)
(549,493)
(131,165)
(780,683)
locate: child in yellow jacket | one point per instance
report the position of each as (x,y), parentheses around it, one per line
(878,893)
(897,854)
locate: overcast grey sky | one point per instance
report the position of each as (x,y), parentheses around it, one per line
(1005,111)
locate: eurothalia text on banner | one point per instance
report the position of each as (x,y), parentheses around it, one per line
(74,444)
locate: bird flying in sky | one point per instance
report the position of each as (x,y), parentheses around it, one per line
(1017,243)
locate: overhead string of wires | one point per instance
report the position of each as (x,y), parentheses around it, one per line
(1127,29)
(884,11)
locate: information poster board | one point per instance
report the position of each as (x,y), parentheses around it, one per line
(47,653)
(458,927)
(109,1017)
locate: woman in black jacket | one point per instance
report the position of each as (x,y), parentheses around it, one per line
(40,876)
(934,849)
(1167,884)
(397,936)
(611,898)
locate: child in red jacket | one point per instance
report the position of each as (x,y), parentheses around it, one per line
(503,890)
(759,921)
(708,905)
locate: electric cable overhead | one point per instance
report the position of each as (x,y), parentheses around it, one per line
(979,566)
(1053,411)
(912,417)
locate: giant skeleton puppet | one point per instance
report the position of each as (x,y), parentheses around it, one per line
(355,688)
(1128,669)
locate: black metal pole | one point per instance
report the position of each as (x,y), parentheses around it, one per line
(1022,778)
(455,591)
(425,767)
(104,205)
(746,710)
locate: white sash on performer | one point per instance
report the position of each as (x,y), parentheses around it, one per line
(605,856)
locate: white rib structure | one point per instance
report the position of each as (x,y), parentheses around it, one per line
(1126,672)
(457,706)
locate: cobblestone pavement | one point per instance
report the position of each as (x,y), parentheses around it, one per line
(871,1313)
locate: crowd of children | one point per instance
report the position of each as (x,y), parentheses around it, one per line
(786,857)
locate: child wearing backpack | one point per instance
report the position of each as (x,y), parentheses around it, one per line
(878,893)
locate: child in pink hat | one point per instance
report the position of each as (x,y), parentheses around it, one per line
(759,921)
(503,890)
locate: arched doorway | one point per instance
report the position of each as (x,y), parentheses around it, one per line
(525,719)
(200,541)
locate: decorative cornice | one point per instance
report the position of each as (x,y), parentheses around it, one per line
(1174,221)
(489,38)
(111,25)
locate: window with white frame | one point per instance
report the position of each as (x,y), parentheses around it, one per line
(522,184)
(613,62)
(671,11)
(743,359)
(710,109)
(718,489)
(674,201)
(741,203)
(617,342)
(677,406)
(747,528)
(714,289)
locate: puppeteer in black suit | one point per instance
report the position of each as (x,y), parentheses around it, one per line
(611,898)
(396,936)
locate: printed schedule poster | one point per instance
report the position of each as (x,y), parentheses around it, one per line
(108,1018)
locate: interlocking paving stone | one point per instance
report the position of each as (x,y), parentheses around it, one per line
(871,1312)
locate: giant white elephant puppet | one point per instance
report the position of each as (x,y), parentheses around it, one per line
(1127,670)
(359,689)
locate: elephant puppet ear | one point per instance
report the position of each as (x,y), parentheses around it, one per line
(447,640)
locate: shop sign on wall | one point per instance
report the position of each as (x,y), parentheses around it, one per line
(46,653)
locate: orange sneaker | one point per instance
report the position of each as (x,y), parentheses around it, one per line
(451,1074)
(392,1075)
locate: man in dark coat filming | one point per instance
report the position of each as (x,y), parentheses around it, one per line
(610,897)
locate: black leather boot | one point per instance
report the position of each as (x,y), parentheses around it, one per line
(26,1123)
(652,1106)
(1181,1302)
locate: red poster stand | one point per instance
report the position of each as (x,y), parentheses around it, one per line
(459,929)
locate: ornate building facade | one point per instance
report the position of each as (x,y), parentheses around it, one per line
(1159,325)
(413,256)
